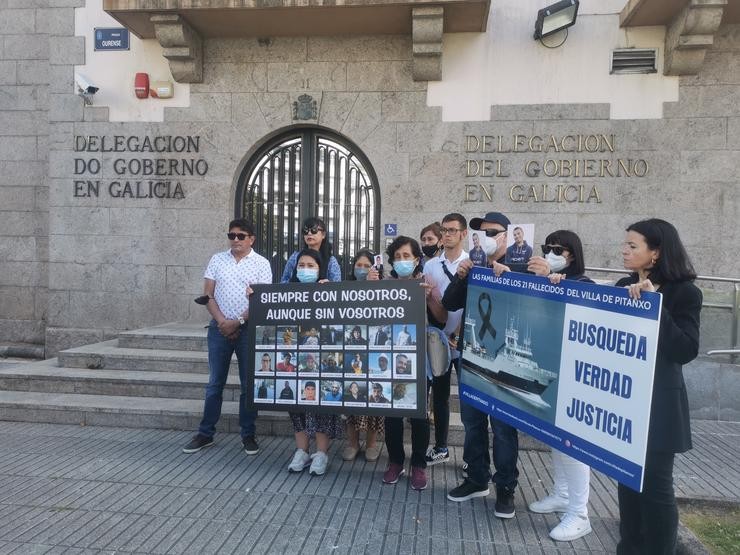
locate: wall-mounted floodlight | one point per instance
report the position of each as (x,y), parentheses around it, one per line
(556,17)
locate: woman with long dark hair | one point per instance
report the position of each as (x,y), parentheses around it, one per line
(648,521)
(563,259)
(405,257)
(314,238)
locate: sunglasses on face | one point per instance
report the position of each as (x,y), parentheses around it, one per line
(493,232)
(312,230)
(557,249)
(240,236)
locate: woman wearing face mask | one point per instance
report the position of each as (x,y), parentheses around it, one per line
(569,493)
(308,424)
(431,241)
(361,264)
(648,521)
(314,238)
(405,256)
(562,255)
(371,425)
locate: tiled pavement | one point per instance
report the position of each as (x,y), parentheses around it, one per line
(70,489)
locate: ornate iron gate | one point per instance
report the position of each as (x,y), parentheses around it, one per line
(310,172)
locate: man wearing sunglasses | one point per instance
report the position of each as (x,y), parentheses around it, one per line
(477,468)
(227,282)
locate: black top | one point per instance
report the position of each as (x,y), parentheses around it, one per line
(678,344)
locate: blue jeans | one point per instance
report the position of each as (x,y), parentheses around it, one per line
(476,453)
(220,350)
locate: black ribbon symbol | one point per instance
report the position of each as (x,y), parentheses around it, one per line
(485,314)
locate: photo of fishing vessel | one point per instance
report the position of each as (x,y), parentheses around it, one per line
(511,365)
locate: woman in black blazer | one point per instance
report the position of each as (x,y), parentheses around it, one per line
(654,252)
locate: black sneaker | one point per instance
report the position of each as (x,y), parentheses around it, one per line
(436,455)
(467,490)
(250,445)
(504,507)
(198,442)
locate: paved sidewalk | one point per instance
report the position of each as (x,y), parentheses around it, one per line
(70,489)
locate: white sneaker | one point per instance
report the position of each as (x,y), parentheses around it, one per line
(300,461)
(571,528)
(320,461)
(550,504)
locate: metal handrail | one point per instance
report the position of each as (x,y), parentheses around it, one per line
(734,308)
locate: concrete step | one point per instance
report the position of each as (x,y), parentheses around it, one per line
(110,356)
(48,376)
(157,412)
(175,336)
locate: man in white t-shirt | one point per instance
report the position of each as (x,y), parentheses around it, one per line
(439,272)
(227,285)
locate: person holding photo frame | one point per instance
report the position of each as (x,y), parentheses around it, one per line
(356,424)
(405,256)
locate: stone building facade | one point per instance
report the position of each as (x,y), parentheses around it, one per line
(84,255)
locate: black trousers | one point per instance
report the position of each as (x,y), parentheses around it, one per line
(648,521)
(419,440)
(440,386)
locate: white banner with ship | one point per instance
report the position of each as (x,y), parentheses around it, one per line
(571,364)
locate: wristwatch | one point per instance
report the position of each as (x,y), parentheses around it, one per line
(241,321)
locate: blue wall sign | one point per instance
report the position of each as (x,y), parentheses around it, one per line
(391,230)
(111,38)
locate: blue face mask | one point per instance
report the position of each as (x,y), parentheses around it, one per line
(404,268)
(361,273)
(307,275)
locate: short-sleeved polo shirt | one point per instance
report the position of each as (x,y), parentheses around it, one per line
(232,279)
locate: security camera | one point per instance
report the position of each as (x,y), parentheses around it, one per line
(85,88)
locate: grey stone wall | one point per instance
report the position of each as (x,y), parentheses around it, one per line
(112,263)
(27,30)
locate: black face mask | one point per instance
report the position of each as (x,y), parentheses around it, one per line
(429,250)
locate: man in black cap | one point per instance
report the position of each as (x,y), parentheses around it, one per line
(505,438)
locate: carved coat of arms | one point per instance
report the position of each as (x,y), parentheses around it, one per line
(304,108)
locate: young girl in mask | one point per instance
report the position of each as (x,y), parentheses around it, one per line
(404,255)
(308,424)
(563,259)
(372,425)
(361,264)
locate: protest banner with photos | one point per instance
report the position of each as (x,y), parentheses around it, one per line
(571,364)
(353,347)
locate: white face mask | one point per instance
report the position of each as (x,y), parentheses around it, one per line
(556,261)
(490,244)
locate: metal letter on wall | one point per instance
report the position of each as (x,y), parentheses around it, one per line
(310,172)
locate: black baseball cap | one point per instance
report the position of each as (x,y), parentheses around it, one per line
(490,217)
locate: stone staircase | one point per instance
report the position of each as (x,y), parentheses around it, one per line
(148,378)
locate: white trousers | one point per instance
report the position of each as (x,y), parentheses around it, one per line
(572,479)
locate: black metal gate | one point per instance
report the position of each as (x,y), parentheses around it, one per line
(310,172)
